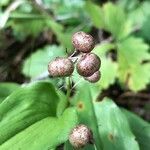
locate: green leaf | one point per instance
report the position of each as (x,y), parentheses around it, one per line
(63,37)
(144,32)
(113,127)
(32,24)
(84,103)
(95,13)
(25,107)
(27,27)
(141,18)
(44,134)
(107,75)
(4,2)
(131,52)
(63,104)
(37,63)
(115,20)
(68,146)
(6,89)
(108,72)
(109,125)
(128,5)
(140,128)
(139,15)
(139,77)
(103,48)
(73,11)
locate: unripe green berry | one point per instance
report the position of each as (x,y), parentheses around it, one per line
(60,67)
(94,77)
(88,64)
(80,136)
(83,42)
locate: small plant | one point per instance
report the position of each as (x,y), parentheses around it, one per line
(65,105)
(88,65)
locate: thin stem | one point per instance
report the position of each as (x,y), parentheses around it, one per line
(80,80)
(95,148)
(68,89)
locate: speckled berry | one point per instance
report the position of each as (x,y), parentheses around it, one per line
(88,64)
(60,67)
(80,136)
(94,77)
(83,42)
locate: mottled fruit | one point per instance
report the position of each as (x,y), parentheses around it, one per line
(60,67)
(83,42)
(80,136)
(88,64)
(94,77)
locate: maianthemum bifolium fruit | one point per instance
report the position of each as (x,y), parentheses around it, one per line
(83,42)
(88,64)
(61,67)
(94,77)
(80,136)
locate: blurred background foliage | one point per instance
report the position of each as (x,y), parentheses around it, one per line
(33,32)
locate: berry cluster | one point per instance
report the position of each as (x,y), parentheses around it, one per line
(88,64)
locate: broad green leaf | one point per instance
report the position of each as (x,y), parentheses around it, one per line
(6,89)
(140,128)
(26,106)
(44,134)
(108,72)
(131,52)
(139,17)
(128,5)
(37,63)
(84,103)
(16,15)
(73,11)
(113,127)
(109,125)
(102,49)
(139,77)
(145,32)
(4,2)
(63,37)
(139,14)
(27,27)
(95,13)
(115,20)
(108,67)
(143,19)
(63,104)
(68,146)
(31,24)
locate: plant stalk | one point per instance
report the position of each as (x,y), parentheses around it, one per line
(68,90)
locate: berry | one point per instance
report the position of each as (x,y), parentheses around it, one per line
(94,77)
(88,64)
(80,136)
(60,67)
(83,42)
